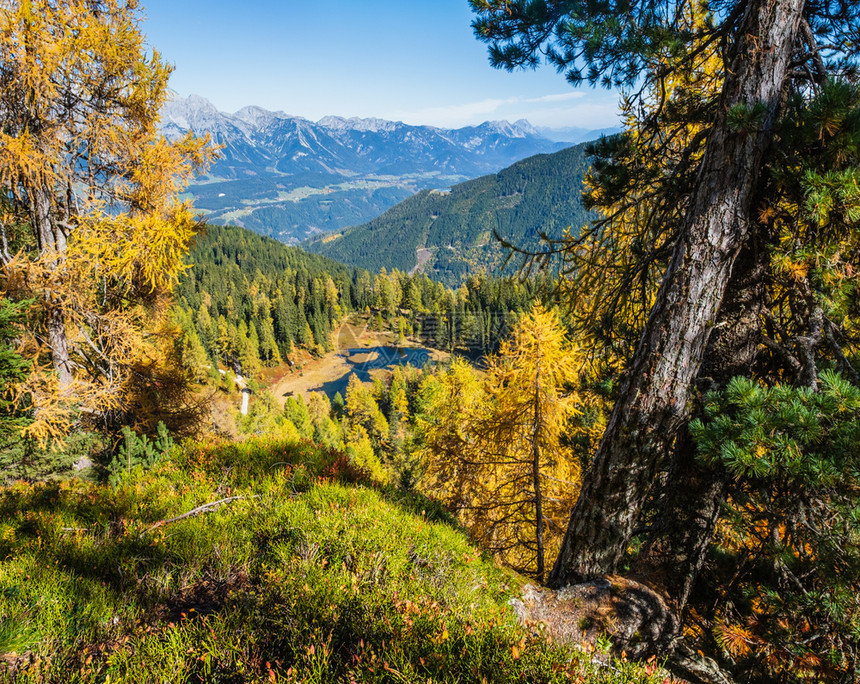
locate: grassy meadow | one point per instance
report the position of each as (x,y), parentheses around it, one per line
(304,572)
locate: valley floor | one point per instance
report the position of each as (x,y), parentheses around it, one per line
(333,370)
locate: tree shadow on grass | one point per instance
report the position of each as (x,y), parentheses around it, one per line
(85,529)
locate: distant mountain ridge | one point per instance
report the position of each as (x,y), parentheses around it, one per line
(290,178)
(256,139)
(575,134)
(449,235)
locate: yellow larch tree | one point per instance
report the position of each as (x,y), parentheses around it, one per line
(611,269)
(90,225)
(505,461)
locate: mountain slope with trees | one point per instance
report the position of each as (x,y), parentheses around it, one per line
(698,396)
(249,300)
(290,178)
(541,194)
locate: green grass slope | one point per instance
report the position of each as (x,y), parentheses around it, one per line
(539,194)
(303,573)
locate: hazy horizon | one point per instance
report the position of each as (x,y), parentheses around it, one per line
(416,63)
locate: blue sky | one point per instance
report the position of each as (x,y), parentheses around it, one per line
(399,60)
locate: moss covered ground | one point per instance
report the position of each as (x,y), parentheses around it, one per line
(304,573)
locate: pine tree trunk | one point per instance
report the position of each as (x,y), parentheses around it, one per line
(690,506)
(655,400)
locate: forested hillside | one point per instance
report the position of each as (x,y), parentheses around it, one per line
(541,194)
(249,300)
(252,298)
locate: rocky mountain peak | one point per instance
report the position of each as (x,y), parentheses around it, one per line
(354,123)
(520,129)
(189,113)
(259,118)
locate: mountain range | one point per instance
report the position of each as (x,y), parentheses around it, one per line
(291,178)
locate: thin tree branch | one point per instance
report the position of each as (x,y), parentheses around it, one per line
(814,51)
(4,245)
(205,508)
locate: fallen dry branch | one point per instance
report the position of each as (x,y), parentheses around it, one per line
(204,508)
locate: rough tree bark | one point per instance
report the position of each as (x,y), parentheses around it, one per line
(689,506)
(655,401)
(682,531)
(52,244)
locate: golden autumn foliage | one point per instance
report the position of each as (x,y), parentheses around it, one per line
(499,449)
(90,222)
(762,602)
(612,268)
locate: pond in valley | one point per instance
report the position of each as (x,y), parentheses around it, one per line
(330,374)
(361,361)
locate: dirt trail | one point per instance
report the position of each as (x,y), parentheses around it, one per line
(422,256)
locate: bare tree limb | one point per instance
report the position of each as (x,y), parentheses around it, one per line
(844,365)
(814,51)
(205,508)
